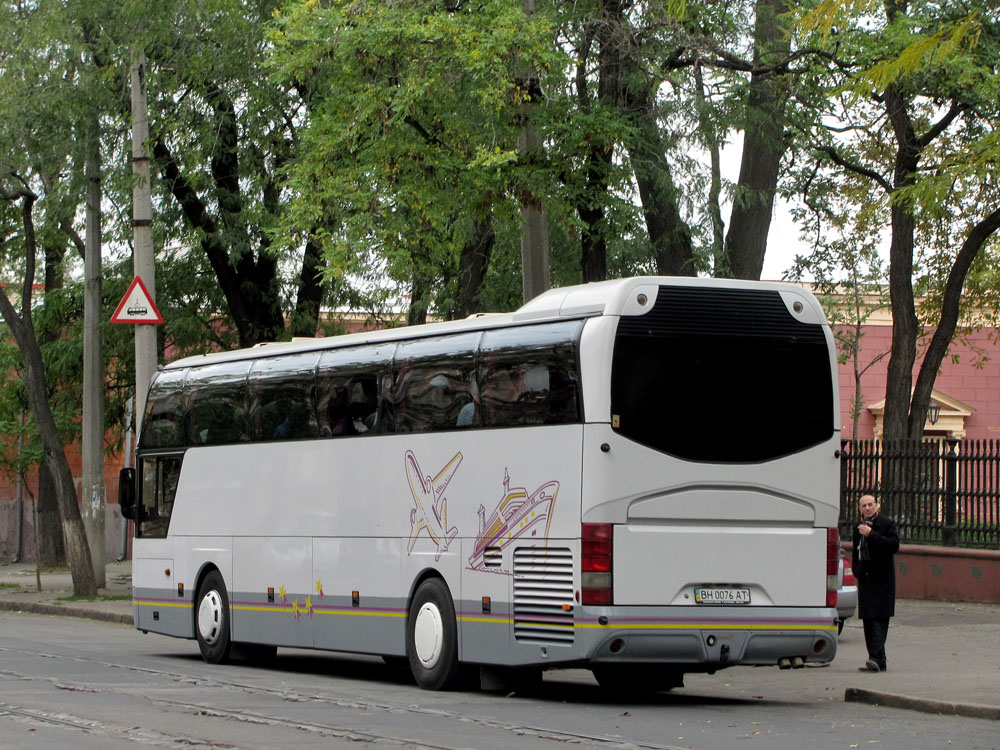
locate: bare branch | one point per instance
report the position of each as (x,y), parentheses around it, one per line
(856,168)
(941,125)
(75,237)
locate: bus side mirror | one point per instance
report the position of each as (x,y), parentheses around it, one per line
(126,492)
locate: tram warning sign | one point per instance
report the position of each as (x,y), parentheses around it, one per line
(137,306)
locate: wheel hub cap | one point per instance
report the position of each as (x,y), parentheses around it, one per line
(428,635)
(210,617)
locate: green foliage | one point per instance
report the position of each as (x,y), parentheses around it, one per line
(936,57)
(412,129)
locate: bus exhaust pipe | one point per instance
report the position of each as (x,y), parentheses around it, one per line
(784,663)
(798,662)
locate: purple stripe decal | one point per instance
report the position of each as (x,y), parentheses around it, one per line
(480,613)
(287,607)
(331,608)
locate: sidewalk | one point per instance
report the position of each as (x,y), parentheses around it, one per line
(18,593)
(943,657)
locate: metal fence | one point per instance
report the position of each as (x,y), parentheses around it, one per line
(943,492)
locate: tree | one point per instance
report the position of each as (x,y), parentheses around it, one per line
(764,144)
(50,150)
(409,149)
(412,139)
(221,136)
(847,274)
(22,328)
(916,118)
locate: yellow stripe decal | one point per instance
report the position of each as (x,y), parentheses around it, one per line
(701,626)
(501,620)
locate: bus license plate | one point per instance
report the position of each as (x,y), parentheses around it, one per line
(722,596)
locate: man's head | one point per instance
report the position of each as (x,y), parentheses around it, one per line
(868,506)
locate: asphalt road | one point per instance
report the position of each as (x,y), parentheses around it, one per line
(66,682)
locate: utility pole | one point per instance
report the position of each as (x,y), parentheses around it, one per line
(534,223)
(142,228)
(93,365)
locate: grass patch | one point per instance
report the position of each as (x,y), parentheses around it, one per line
(10,585)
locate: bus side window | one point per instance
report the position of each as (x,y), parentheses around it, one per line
(217,404)
(435,383)
(348,404)
(528,376)
(158,486)
(163,421)
(282,406)
(349,381)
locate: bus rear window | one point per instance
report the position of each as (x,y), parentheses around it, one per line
(721,376)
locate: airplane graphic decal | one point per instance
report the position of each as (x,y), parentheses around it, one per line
(430,511)
(517,515)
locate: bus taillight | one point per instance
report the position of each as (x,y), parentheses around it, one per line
(596,563)
(832,563)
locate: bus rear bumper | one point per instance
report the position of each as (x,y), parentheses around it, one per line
(717,638)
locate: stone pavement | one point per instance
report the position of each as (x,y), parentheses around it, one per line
(944,657)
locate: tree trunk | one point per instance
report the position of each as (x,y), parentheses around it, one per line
(51,550)
(669,234)
(534,220)
(950,308)
(720,264)
(420,289)
(472,264)
(305,320)
(417,314)
(77,552)
(590,208)
(247,279)
(905,326)
(763,147)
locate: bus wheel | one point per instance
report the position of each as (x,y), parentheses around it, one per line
(431,637)
(212,619)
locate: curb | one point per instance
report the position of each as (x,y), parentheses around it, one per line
(892,700)
(37,608)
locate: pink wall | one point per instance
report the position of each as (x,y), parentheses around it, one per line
(974,379)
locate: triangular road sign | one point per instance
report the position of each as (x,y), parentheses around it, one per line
(137,306)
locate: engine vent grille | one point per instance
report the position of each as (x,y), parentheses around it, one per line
(543,594)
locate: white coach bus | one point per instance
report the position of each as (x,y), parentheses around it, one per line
(639,477)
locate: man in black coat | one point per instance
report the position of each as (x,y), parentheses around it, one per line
(876,541)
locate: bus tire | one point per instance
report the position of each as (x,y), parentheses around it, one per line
(211,619)
(432,637)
